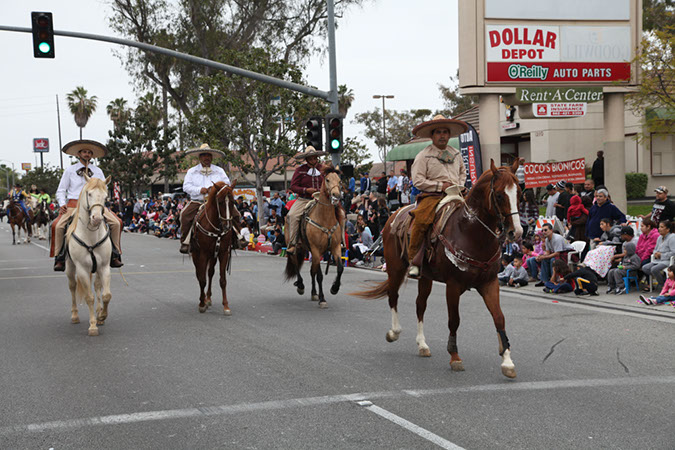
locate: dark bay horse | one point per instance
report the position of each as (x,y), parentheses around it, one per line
(466,255)
(17,219)
(42,220)
(212,236)
(320,231)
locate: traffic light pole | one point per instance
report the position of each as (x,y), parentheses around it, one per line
(332,68)
(328,96)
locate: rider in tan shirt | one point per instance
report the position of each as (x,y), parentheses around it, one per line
(436,168)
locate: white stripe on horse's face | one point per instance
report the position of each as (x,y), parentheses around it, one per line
(512,194)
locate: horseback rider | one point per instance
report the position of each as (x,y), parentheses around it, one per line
(18,195)
(197,182)
(435,168)
(67,194)
(307,179)
(43,197)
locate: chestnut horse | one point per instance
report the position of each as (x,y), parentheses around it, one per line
(212,237)
(465,255)
(17,219)
(320,231)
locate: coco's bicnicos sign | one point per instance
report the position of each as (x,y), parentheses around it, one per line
(541,174)
(533,54)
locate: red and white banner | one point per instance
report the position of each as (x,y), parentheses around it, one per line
(557,71)
(541,174)
(559,109)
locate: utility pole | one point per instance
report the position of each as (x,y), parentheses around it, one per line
(332,68)
(58,119)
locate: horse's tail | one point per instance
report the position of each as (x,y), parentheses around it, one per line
(293,264)
(378,291)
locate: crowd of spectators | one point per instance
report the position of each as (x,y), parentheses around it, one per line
(155,215)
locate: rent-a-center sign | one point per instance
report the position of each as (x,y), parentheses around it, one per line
(557,54)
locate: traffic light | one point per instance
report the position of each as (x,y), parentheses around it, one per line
(43,34)
(314,137)
(334,133)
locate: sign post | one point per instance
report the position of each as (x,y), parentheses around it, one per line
(41,145)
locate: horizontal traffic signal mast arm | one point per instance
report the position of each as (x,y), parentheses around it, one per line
(190,58)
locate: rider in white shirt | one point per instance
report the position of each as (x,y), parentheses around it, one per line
(67,194)
(198,180)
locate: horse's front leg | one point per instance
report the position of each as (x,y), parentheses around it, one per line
(452,294)
(223,282)
(200,261)
(13,236)
(337,257)
(84,286)
(490,294)
(104,294)
(212,270)
(423,290)
(72,285)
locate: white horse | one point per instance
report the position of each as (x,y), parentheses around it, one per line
(89,249)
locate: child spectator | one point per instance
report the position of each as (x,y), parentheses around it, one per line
(558,284)
(507,270)
(647,240)
(630,261)
(667,293)
(519,275)
(586,280)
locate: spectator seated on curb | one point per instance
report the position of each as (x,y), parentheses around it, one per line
(506,270)
(558,284)
(278,243)
(665,248)
(630,261)
(586,281)
(518,276)
(667,293)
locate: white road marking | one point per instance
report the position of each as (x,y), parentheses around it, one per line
(38,245)
(69,424)
(426,434)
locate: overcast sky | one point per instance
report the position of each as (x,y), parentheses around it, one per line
(393,47)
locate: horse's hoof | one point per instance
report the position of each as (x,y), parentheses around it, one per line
(315,298)
(100,323)
(334,290)
(227,311)
(301,291)
(392,336)
(509,371)
(457,366)
(202,309)
(425,352)
(74,320)
(323,304)
(93,332)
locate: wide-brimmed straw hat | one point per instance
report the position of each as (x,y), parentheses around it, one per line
(73,148)
(204,148)
(309,151)
(425,129)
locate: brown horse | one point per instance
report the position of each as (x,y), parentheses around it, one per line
(465,255)
(17,218)
(212,237)
(320,231)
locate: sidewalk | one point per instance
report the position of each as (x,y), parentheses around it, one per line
(627,302)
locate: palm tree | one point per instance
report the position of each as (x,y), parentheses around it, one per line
(81,106)
(345,99)
(117,111)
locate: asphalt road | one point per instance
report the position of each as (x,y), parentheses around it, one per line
(282,373)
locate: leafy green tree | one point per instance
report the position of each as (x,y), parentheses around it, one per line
(454,103)
(657,14)
(7,179)
(291,29)
(260,126)
(46,177)
(356,153)
(345,99)
(655,95)
(117,111)
(81,106)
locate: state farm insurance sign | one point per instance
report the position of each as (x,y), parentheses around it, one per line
(557,54)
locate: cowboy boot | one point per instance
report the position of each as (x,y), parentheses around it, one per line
(115,258)
(416,240)
(60,259)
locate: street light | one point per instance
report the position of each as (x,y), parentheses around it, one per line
(384,144)
(7,175)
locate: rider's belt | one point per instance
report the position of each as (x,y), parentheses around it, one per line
(72,203)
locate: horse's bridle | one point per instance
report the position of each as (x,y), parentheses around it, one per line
(89,207)
(225,223)
(502,216)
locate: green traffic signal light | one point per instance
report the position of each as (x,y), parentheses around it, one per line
(335,144)
(43,34)
(44,47)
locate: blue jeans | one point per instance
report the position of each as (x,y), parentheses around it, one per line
(664,298)
(533,266)
(546,269)
(559,288)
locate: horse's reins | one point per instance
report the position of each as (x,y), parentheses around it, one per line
(225,222)
(460,254)
(91,248)
(328,232)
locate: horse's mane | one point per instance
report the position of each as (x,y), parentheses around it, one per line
(330,169)
(482,186)
(93,183)
(213,191)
